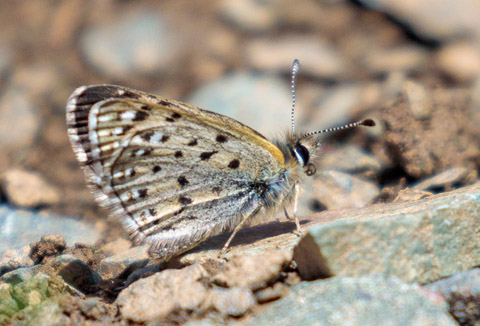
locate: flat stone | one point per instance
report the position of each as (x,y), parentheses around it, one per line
(15,258)
(156,296)
(335,189)
(420,241)
(236,301)
(253,271)
(353,301)
(113,266)
(442,179)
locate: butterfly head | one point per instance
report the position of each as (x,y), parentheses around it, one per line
(303,148)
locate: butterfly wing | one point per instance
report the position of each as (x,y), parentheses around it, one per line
(173,174)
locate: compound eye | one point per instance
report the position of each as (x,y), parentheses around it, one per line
(310,169)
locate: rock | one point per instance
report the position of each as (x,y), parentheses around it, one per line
(352,301)
(8,305)
(462,292)
(16,258)
(155,297)
(420,241)
(318,58)
(18,275)
(349,158)
(118,246)
(16,109)
(252,99)
(234,302)
(133,258)
(21,227)
(460,61)
(250,15)
(139,43)
(409,194)
(272,293)
(420,103)
(433,19)
(76,273)
(335,189)
(49,245)
(28,189)
(253,271)
(403,58)
(448,177)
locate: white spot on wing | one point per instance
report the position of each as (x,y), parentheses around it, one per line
(128,115)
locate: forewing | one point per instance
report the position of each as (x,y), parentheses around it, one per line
(172,173)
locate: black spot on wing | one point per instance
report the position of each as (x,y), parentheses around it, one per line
(168,119)
(152,211)
(221,138)
(184,200)
(146,108)
(142,193)
(182,181)
(147,135)
(178,154)
(176,115)
(140,116)
(192,143)
(206,155)
(164,138)
(234,164)
(156,169)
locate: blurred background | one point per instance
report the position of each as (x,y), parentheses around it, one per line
(414,66)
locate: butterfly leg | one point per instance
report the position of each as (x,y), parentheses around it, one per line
(245,217)
(296,196)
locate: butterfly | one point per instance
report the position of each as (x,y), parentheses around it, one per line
(174,174)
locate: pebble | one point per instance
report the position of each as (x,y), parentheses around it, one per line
(318,58)
(460,61)
(132,258)
(233,302)
(261,102)
(138,43)
(28,188)
(349,158)
(250,15)
(335,190)
(443,179)
(408,58)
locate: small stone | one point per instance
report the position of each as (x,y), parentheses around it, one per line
(234,302)
(157,296)
(446,178)
(49,245)
(139,43)
(336,190)
(250,15)
(273,293)
(403,58)
(18,275)
(133,258)
(409,194)
(17,109)
(253,271)
(250,98)
(15,258)
(28,189)
(116,247)
(76,273)
(349,158)
(460,61)
(319,58)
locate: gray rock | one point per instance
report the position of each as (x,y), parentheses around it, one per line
(17,276)
(19,228)
(335,189)
(406,58)
(133,258)
(318,58)
(260,102)
(419,241)
(139,43)
(353,301)
(349,158)
(76,273)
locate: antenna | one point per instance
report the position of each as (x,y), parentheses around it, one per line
(295,68)
(366,122)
